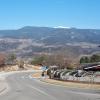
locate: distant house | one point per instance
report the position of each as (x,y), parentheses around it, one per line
(91,67)
(54,67)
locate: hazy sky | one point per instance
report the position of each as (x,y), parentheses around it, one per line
(70,13)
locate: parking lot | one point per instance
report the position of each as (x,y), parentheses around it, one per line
(76,75)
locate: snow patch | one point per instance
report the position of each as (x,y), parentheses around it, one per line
(62,27)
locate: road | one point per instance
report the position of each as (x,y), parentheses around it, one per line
(21,87)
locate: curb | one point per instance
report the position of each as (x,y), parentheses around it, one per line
(57,84)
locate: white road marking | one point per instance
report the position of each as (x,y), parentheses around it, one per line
(6,89)
(80,93)
(23,77)
(42,92)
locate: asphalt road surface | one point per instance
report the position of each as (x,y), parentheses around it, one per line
(24,88)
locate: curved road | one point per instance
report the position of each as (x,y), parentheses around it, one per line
(24,88)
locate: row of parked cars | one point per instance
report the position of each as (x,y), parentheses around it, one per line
(64,74)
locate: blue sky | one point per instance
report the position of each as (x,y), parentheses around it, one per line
(51,13)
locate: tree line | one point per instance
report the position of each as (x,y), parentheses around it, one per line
(10,59)
(90,59)
(56,59)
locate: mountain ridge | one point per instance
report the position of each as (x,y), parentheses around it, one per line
(31,40)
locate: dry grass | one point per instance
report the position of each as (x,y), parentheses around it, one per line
(37,75)
(33,67)
(8,68)
(36,67)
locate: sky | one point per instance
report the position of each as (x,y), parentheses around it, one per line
(15,14)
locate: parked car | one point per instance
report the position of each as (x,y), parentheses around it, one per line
(73,73)
(79,73)
(65,74)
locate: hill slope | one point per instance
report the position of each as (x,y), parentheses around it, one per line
(31,40)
